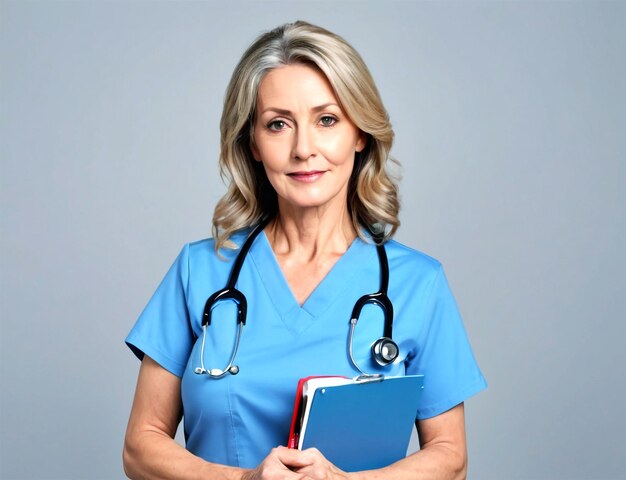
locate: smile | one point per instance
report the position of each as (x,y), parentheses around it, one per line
(306,177)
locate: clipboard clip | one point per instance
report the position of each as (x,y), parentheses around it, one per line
(369,378)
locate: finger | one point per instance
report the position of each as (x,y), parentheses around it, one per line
(315,457)
(292,458)
(313,453)
(316,472)
(320,466)
(274,470)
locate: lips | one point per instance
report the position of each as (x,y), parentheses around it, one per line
(306,176)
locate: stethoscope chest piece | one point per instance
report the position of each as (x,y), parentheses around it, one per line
(384,351)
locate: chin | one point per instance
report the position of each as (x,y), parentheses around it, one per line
(308,203)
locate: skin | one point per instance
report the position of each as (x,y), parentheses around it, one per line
(306,144)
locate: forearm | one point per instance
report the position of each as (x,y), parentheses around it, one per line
(436,462)
(151,455)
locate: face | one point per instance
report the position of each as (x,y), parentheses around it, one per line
(304,139)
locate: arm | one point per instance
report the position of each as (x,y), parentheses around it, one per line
(150,451)
(443,455)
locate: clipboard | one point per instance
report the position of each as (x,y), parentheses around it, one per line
(362,424)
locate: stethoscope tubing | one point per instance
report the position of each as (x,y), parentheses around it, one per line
(384,350)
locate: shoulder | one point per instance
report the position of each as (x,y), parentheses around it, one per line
(199,258)
(200,268)
(401,255)
(204,249)
(411,270)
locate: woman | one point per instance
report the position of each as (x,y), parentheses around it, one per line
(304,144)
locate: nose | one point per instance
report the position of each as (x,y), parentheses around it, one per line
(304,144)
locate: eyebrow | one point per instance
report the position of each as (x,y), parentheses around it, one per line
(316,109)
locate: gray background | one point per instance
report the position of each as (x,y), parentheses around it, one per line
(510,127)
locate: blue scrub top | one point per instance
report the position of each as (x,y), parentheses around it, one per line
(238,419)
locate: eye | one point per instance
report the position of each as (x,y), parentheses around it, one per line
(276,125)
(328,121)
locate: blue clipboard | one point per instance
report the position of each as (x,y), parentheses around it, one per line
(364,425)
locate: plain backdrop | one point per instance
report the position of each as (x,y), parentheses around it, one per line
(510,126)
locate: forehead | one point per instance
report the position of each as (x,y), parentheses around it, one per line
(295,85)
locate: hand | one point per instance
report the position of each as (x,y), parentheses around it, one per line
(318,468)
(282,463)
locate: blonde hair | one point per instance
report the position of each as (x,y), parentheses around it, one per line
(373,194)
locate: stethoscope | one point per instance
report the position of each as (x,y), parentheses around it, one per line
(384,350)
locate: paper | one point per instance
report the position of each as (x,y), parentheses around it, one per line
(308,391)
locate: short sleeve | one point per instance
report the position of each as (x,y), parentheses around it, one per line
(445,358)
(163,331)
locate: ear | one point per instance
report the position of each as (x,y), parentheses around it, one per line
(361,141)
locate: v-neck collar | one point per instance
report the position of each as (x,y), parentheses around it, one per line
(327,291)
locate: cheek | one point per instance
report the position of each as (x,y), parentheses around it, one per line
(270,147)
(273,156)
(338,150)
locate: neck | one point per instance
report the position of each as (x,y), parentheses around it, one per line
(311,233)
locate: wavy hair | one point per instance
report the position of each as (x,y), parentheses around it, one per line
(372,194)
